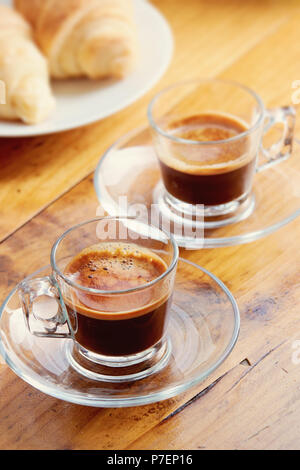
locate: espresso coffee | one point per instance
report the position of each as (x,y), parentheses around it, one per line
(208,174)
(117,324)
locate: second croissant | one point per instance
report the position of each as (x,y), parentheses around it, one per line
(93,38)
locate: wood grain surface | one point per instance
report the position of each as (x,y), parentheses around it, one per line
(253,400)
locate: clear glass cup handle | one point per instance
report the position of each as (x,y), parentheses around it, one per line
(44,322)
(282,149)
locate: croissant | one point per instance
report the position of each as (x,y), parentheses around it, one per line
(93,38)
(24,77)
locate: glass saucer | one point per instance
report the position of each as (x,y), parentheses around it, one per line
(128,182)
(203,329)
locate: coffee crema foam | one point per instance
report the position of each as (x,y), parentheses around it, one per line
(209,127)
(115,266)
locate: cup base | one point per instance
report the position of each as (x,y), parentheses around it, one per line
(119,369)
(199,217)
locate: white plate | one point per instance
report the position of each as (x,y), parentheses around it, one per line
(81,102)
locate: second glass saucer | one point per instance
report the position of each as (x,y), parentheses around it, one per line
(128,182)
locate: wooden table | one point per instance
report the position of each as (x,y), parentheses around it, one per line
(253,400)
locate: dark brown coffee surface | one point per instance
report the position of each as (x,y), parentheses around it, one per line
(118,324)
(209,174)
(207,127)
(115,266)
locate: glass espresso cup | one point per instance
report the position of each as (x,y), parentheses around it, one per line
(112,282)
(208,135)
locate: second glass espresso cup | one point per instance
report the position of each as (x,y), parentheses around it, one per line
(113,281)
(208,135)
